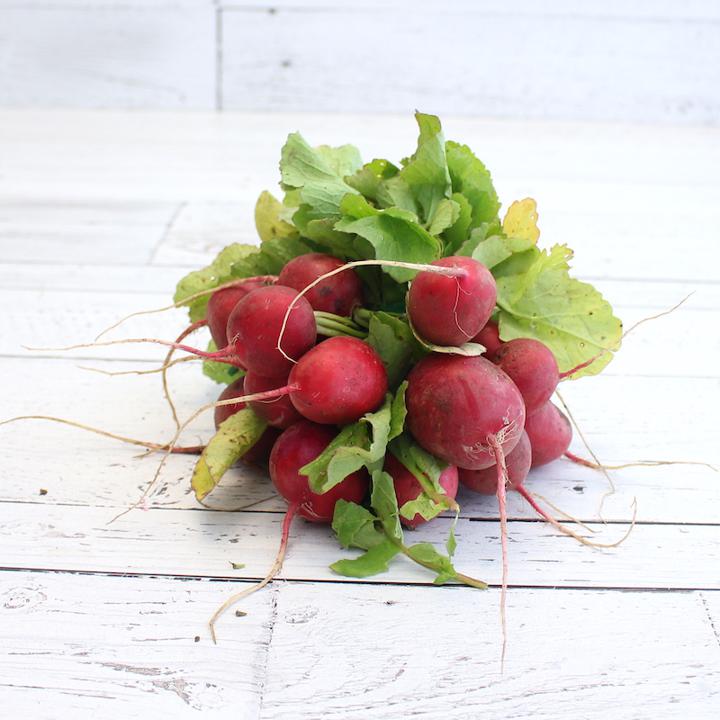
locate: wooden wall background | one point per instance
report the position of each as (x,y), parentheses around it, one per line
(620,60)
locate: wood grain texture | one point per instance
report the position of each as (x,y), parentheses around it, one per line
(203,543)
(120,55)
(124,647)
(452,60)
(569,653)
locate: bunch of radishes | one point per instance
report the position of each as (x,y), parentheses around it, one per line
(467,411)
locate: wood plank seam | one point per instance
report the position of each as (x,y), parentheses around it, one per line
(168,228)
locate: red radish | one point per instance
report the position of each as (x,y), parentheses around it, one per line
(254,327)
(489,338)
(517,463)
(456,404)
(300,444)
(550,434)
(532,367)
(259,453)
(338,381)
(452,310)
(278,412)
(339,294)
(223,301)
(407,487)
(335,383)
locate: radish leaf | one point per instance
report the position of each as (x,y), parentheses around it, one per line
(235,436)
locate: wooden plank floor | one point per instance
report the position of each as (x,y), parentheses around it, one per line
(102,216)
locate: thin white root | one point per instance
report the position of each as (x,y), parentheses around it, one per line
(612,489)
(116,373)
(274,570)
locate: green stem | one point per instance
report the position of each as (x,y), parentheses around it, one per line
(461,577)
(332,328)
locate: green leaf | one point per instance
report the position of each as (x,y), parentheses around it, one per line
(457,233)
(426,172)
(394,235)
(369,178)
(216,273)
(471,178)
(355,526)
(571,317)
(361,444)
(384,502)
(496,249)
(220,372)
(426,469)
(372,562)
(318,174)
(270,218)
(446,214)
(425,554)
(423,505)
(398,412)
(235,436)
(394,341)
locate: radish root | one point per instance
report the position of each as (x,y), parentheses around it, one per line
(601,467)
(638,463)
(502,481)
(274,570)
(151,446)
(166,388)
(185,301)
(118,373)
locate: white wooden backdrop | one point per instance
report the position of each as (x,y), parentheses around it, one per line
(100,213)
(650,61)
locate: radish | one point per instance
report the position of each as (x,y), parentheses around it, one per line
(339,294)
(335,383)
(550,434)
(300,444)
(452,310)
(259,453)
(254,327)
(489,338)
(278,412)
(223,301)
(338,381)
(456,404)
(517,463)
(532,367)
(407,487)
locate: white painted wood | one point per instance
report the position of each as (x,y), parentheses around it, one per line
(626,9)
(119,55)
(201,230)
(122,233)
(125,648)
(203,543)
(351,652)
(564,66)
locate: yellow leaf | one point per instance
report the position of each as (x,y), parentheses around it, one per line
(521,220)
